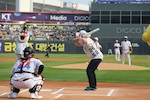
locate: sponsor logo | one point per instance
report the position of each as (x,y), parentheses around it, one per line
(58,18)
(5,16)
(129,30)
(81,18)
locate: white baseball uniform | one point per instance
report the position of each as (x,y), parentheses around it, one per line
(125,48)
(27,78)
(98,45)
(117,51)
(91,50)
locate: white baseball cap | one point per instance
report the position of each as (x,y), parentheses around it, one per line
(82,33)
(96,38)
(125,37)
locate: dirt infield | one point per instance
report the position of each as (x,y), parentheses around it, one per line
(75,90)
(104,66)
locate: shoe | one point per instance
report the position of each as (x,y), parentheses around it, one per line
(35,96)
(89,89)
(12,95)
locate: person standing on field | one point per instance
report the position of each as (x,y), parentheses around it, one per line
(96,56)
(98,45)
(125,48)
(117,50)
(96,41)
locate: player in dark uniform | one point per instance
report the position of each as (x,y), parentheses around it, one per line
(47,52)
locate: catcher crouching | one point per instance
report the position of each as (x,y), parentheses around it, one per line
(26,74)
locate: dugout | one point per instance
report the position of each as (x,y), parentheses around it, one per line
(117,19)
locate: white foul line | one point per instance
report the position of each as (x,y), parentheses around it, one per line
(23,90)
(58,91)
(58,96)
(3,93)
(8,93)
(46,90)
(110,92)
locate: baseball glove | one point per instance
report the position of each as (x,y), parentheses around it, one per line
(129,52)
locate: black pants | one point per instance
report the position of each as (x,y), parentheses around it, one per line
(47,54)
(91,72)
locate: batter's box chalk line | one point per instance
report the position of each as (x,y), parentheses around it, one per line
(62,89)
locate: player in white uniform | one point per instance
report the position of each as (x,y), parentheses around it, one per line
(125,47)
(26,73)
(117,50)
(98,45)
(93,53)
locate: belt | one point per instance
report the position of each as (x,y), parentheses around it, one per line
(23,79)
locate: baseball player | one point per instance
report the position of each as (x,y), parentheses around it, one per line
(96,56)
(117,50)
(125,48)
(26,73)
(97,43)
(47,51)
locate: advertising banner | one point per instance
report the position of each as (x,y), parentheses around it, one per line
(123,0)
(44,17)
(55,47)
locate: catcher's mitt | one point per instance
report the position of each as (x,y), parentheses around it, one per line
(129,52)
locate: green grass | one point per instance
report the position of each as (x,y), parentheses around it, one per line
(59,74)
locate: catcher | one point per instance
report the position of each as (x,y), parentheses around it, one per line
(126,49)
(26,73)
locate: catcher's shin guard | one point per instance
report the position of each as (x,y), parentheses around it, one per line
(13,89)
(36,88)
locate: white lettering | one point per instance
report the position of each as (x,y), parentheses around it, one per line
(6,16)
(81,18)
(59,18)
(135,45)
(129,30)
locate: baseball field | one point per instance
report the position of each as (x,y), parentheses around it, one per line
(65,78)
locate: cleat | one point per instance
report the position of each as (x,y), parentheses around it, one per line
(90,89)
(35,96)
(13,95)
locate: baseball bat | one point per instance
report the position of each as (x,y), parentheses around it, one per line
(91,32)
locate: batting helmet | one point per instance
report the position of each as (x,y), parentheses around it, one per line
(28,52)
(96,38)
(82,33)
